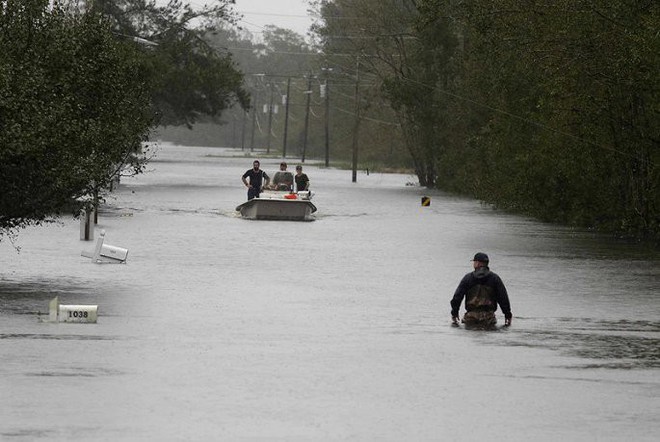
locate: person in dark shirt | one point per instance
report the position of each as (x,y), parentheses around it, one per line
(483,290)
(255,179)
(302,181)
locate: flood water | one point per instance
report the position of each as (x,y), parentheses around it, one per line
(220,328)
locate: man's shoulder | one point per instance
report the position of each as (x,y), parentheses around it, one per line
(493,279)
(253,173)
(468,277)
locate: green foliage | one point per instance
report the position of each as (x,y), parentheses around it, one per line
(79,93)
(547,108)
(570,130)
(74,108)
(281,56)
(371,43)
(191,79)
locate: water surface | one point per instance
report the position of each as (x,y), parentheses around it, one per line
(220,328)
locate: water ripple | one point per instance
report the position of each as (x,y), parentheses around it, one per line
(621,344)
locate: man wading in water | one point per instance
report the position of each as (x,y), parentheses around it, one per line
(483,290)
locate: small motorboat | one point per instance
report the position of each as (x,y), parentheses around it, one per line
(278,205)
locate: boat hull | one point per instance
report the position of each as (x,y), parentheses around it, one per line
(277,209)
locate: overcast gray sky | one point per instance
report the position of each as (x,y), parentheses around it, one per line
(291,14)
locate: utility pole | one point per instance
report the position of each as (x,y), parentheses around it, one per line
(327,117)
(270,117)
(356,129)
(286,116)
(233,131)
(254,120)
(243,130)
(309,97)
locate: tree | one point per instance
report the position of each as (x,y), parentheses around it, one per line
(572,133)
(81,87)
(75,105)
(545,108)
(409,57)
(191,77)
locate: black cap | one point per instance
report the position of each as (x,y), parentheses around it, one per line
(481,257)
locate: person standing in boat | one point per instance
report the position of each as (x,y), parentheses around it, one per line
(302,181)
(282,180)
(483,290)
(255,179)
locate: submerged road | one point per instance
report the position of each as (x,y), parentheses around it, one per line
(220,328)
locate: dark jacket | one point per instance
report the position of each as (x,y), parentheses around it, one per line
(302,182)
(483,290)
(256,178)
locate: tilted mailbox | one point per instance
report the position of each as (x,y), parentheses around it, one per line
(105,253)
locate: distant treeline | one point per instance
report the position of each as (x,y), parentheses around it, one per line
(202,134)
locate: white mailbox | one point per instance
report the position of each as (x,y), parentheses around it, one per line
(105,253)
(113,252)
(87,314)
(77,313)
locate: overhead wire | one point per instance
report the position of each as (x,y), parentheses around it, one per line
(517,117)
(439,90)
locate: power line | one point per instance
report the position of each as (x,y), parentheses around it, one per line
(362,117)
(517,117)
(270,14)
